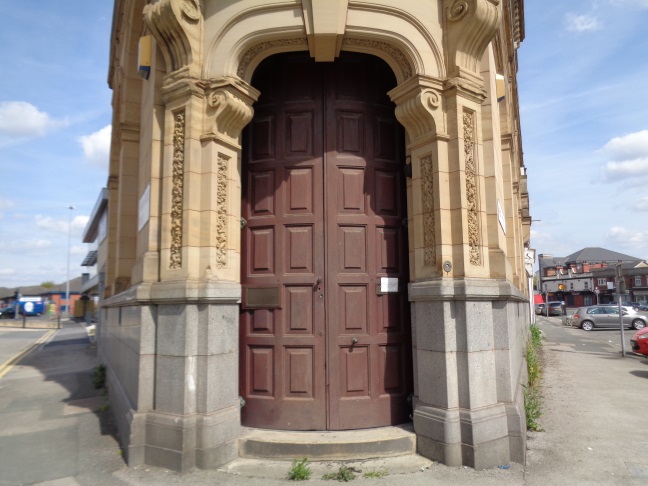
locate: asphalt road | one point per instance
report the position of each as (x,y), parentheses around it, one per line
(596,339)
(14,341)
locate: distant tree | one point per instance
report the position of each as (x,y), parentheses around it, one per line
(48,285)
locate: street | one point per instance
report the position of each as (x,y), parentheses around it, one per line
(600,340)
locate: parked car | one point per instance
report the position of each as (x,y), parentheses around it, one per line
(556,308)
(8,313)
(539,309)
(588,318)
(641,307)
(639,341)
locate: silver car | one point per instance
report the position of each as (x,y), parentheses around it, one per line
(587,318)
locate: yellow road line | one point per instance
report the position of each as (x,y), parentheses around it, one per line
(11,362)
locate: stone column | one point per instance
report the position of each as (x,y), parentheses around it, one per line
(466,406)
(183,399)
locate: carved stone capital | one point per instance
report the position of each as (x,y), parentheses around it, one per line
(419,108)
(177,26)
(229,109)
(471,24)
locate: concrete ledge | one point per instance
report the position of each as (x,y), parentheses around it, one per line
(446,288)
(322,446)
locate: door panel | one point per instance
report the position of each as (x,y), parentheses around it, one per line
(324,201)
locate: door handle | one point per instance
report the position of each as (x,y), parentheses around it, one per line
(318,281)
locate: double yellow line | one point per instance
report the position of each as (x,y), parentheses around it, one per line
(11,362)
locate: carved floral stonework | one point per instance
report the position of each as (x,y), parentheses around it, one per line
(177,186)
(393,52)
(427,183)
(472,196)
(263,46)
(221,211)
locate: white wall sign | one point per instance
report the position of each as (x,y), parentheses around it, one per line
(500,216)
(143,210)
(388,285)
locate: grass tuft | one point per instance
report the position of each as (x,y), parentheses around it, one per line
(344,475)
(299,471)
(532,394)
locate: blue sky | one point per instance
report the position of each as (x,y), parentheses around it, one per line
(54,110)
(583,81)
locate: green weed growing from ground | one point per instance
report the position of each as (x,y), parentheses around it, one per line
(374,474)
(344,474)
(532,395)
(99,376)
(299,471)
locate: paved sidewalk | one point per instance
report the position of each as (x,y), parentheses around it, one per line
(55,428)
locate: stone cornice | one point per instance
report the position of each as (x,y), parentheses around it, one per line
(177,26)
(177,292)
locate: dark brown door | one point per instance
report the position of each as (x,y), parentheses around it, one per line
(322,346)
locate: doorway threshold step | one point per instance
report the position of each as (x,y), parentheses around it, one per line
(327,445)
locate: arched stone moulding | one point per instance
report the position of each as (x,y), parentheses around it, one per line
(236,45)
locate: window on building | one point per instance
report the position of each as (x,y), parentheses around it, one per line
(571,286)
(602,281)
(586,285)
(638,281)
(587,300)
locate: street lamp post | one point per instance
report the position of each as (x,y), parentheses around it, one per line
(67,281)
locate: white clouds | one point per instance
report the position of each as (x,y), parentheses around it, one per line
(628,157)
(628,238)
(641,204)
(96,147)
(20,120)
(61,225)
(582,23)
(25,246)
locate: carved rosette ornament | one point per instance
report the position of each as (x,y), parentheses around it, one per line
(427,183)
(471,24)
(472,195)
(177,26)
(221,211)
(177,190)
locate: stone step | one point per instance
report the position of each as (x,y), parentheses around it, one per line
(328,445)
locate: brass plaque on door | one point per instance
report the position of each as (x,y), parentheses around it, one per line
(266,297)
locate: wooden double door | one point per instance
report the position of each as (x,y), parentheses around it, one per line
(324,324)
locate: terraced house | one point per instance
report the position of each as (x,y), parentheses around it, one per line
(317,220)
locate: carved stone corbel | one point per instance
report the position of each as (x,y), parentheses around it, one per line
(419,108)
(229,109)
(471,24)
(177,26)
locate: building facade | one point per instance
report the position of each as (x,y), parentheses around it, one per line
(588,277)
(317,220)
